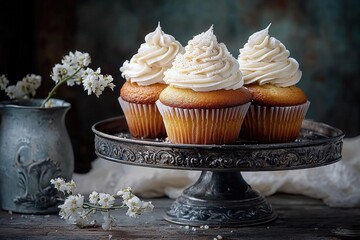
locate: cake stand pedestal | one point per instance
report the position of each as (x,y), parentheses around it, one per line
(220,197)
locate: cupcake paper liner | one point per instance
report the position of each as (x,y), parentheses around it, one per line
(273,124)
(203,126)
(144,120)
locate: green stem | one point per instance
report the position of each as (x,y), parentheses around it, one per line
(90,211)
(102,209)
(52,92)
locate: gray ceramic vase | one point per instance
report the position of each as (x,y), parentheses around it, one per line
(34,148)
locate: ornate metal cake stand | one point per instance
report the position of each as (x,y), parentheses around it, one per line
(220,197)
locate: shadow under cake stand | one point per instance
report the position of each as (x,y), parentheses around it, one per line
(220,197)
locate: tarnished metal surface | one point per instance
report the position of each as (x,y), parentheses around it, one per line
(220,197)
(34,148)
(317,145)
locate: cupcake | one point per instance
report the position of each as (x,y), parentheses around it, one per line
(144,75)
(205,102)
(278,107)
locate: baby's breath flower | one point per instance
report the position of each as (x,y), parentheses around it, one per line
(76,211)
(66,73)
(62,186)
(77,59)
(57,182)
(106,200)
(13,92)
(94,197)
(137,207)
(23,89)
(70,187)
(73,70)
(126,194)
(34,81)
(72,209)
(76,200)
(131,213)
(3,82)
(95,82)
(77,76)
(58,72)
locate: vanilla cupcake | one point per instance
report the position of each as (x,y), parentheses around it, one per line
(205,102)
(144,75)
(278,107)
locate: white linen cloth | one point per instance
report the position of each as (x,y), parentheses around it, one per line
(337,185)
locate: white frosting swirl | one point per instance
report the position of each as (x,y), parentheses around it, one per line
(206,65)
(153,58)
(264,59)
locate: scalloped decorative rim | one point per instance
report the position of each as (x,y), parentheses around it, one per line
(318,144)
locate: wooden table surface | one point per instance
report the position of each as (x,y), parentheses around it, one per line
(299,217)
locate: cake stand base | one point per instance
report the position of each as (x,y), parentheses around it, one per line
(220,199)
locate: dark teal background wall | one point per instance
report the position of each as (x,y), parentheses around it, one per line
(323,35)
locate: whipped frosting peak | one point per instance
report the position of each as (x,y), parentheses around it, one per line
(153,58)
(257,37)
(264,59)
(206,65)
(204,38)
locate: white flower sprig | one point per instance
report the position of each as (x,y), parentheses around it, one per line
(23,89)
(3,82)
(74,70)
(75,210)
